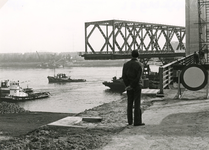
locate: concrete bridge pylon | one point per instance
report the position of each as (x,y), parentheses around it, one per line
(192,30)
(197,27)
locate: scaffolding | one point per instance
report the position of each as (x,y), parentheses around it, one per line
(203,21)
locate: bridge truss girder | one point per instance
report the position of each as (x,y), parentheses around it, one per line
(121,37)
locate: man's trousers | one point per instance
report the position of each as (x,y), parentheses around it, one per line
(134,96)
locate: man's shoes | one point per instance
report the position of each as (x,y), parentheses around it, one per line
(142,124)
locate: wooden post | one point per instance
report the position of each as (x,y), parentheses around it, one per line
(179,85)
(161,93)
(207,87)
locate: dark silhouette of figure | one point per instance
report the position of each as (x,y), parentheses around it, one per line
(196,58)
(132,74)
(202,57)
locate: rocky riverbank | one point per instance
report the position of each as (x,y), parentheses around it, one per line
(10,108)
(49,137)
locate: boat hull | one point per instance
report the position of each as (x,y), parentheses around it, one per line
(120,86)
(32,96)
(63,80)
(117,87)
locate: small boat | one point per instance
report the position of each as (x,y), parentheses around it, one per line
(61,77)
(11,91)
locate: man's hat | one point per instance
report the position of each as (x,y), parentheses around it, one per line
(135,53)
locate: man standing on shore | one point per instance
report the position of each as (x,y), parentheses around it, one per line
(132,75)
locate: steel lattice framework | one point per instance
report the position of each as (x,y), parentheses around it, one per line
(118,38)
(203,16)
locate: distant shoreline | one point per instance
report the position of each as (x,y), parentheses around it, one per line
(84,63)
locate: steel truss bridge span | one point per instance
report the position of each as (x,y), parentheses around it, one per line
(115,39)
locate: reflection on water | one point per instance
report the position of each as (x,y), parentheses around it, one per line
(66,97)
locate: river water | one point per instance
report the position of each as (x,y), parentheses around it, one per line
(67,97)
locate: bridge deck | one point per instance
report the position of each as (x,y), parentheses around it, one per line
(103,56)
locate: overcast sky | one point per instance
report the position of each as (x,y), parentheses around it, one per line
(58,25)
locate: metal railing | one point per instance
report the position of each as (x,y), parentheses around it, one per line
(166,72)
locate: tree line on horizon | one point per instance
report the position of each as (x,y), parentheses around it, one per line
(39,57)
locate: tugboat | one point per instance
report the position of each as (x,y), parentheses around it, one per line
(151,81)
(61,77)
(12,92)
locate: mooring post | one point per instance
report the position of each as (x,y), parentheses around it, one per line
(161,92)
